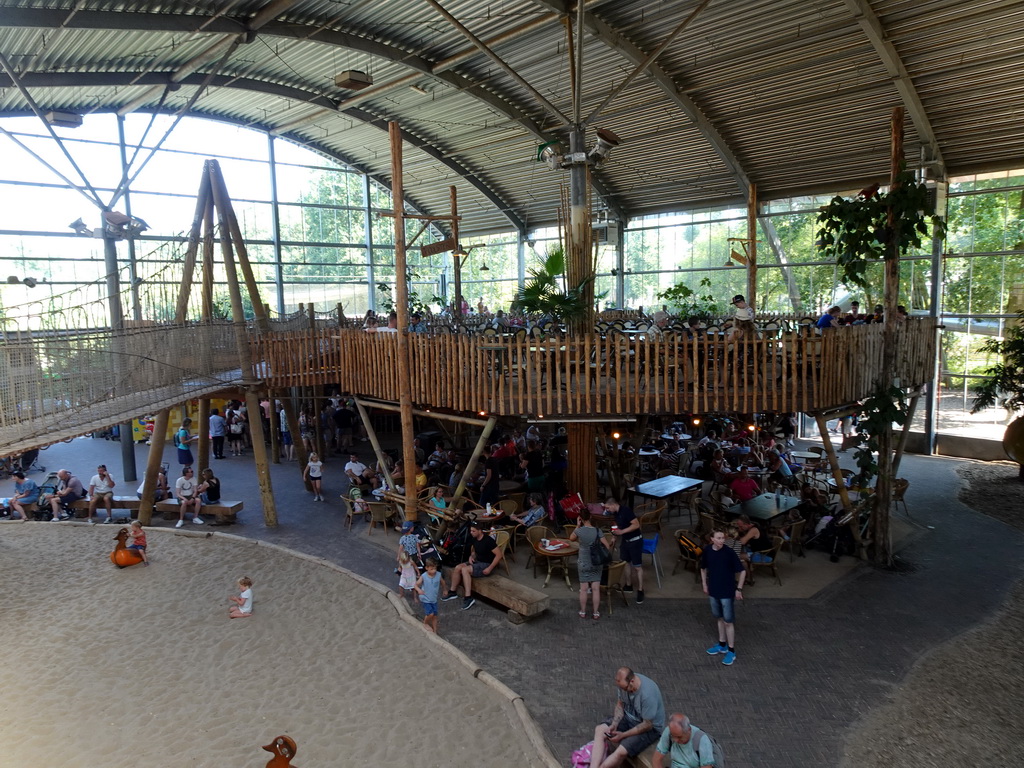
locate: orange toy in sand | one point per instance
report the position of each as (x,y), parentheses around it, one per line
(122,557)
(284,750)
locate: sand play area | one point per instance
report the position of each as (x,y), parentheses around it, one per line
(142,666)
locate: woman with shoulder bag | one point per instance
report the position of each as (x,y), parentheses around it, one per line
(589,566)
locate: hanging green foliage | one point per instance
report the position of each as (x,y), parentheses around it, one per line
(863,229)
(880,411)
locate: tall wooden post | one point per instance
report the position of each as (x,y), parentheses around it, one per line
(473,459)
(402,300)
(883,486)
(581,474)
(242,339)
(752,247)
(456,257)
(203,214)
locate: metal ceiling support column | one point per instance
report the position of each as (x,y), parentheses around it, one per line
(371,275)
(275,225)
(510,71)
(872,27)
(931,409)
(133,273)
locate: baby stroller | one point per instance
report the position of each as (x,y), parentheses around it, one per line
(835,537)
(455,545)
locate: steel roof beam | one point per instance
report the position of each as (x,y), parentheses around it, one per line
(87,79)
(22,17)
(872,27)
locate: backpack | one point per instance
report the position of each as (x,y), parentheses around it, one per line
(716,749)
(581,757)
(690,545)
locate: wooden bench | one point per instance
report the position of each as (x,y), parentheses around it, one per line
(645,759)
(225,510)
(523,602)
(130,503)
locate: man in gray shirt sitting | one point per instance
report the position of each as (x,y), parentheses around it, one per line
(637,723)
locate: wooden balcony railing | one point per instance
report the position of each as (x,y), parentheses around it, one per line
(592,375)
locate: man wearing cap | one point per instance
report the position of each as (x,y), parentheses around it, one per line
(741,310)
(483,559)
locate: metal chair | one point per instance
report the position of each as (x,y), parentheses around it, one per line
(651,548)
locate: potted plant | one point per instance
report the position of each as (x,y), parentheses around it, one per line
(1004,385)
(687,303)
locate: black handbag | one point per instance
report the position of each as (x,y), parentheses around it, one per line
(599,554)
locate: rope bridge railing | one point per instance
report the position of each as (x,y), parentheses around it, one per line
(61,383)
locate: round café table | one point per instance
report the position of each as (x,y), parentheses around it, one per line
(680,437)
(557,554)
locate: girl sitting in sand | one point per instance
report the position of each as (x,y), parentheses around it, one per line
(409,572)
(242,607)
(137,540)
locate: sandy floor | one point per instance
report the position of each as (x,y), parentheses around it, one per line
(141,666)
(961,704)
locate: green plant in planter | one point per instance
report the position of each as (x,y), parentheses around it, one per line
(542,293)
(688,303)
(1004,385)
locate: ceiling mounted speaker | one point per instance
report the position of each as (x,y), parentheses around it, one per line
(606,141)
(353,80)
(63,119)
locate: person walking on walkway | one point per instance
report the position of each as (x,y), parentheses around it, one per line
(718,568)
(636,724)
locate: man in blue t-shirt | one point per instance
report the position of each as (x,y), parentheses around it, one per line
(829,320)
(718,568)
(636,724)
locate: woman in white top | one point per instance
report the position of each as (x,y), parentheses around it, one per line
(314,474)
(187,493)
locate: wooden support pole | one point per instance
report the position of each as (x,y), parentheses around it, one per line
(902,442)
(242,340)
(404,347)
(203,216)
(471,464)
(371,434)
(456,257)
(837,475)
(203,427)
(752,247)
(582,475)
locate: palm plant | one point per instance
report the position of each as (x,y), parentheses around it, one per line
(542,294)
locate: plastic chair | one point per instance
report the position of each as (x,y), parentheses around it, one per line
(651,548)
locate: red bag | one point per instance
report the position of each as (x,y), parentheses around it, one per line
(572,505)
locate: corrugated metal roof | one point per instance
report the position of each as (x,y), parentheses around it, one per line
(792,94)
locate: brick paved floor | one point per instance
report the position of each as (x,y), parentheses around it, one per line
(806,670)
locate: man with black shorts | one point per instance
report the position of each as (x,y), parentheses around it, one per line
(719,565)
(631,545)
(483,559)
(637,723)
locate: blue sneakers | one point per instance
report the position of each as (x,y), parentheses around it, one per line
(729,658)
(716,649)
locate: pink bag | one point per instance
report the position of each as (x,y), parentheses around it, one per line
(581,756)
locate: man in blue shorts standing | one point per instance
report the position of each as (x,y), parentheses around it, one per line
(719,565)
(631,545)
